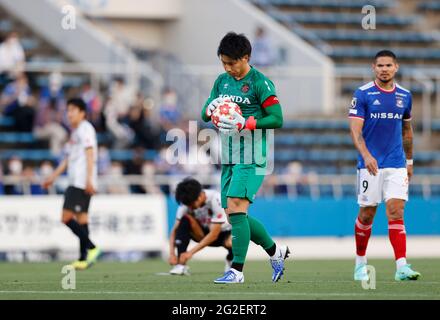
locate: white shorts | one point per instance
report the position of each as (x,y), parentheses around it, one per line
(389,183)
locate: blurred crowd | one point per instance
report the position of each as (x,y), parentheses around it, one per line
(123,118)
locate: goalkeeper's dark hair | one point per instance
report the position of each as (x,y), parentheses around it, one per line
(79,103)
(234,46)
(385,53)
(188,191)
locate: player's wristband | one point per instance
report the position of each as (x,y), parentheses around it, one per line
(409,162)
(251,123)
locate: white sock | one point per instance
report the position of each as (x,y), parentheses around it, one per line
(361,259)
(236,271)
(400,263)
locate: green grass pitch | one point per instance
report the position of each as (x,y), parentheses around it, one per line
(311,279)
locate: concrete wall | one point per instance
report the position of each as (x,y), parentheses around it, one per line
(143,9)
(83,43)
(304,81)
(146,34)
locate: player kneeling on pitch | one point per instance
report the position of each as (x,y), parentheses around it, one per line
(200,217)
(82,173)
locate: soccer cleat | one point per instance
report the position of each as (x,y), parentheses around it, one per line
(360,272)
(230,276)
(80,265)
(406,273)
(93,255)
(228,265)
(180,270)
(277,262)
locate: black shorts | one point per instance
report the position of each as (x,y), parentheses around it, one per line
(219,242)
(76,200)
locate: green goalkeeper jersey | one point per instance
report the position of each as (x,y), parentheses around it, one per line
(249,93)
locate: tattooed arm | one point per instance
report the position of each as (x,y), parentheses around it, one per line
(356,125)
(407,136)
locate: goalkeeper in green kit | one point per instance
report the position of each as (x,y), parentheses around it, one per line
(240,180)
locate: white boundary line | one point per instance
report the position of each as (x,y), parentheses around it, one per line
(206,293)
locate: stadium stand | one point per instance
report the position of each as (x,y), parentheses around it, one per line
(322,146)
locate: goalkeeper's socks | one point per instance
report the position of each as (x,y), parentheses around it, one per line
(272,250)
(237,266)
(397,234)
(260,236)
(241,236)
(362,234)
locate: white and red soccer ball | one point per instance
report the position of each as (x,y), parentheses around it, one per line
(226,109)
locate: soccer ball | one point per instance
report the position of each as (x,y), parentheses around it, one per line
(226,109)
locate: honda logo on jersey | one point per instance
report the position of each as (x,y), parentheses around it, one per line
(236,99)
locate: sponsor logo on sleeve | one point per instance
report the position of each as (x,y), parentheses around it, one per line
(353,102)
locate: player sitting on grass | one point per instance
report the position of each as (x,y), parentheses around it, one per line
(200,217)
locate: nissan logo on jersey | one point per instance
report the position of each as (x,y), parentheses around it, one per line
(384,115)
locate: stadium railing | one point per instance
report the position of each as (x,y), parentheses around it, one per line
(313,185)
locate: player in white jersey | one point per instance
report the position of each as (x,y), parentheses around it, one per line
(200,217)
(380,123)
(80,163)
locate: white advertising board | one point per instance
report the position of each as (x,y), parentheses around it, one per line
(116,223)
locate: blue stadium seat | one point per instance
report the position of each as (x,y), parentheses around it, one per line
(342,18)
(126,155)
(429,5)
(17,137)
(6,121)
(33,155)
(44,154)
(315,155)
(29,43)
(373,35)
(6,26)
(435,125)
(316,124)
(312,139)
(427,156)
(426,170)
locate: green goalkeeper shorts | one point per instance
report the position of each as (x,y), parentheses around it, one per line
(241,181)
